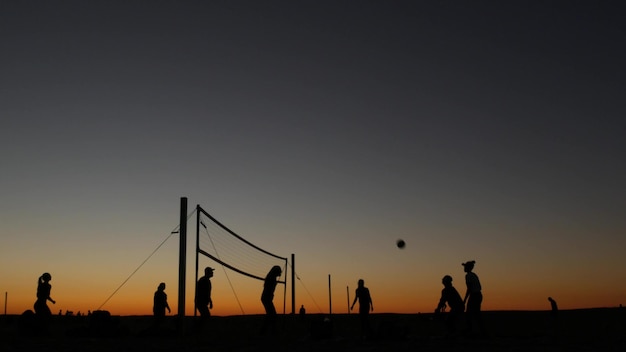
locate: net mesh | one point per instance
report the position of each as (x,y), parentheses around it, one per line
(224,246)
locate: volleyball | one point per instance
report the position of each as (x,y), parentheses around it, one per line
(400,243)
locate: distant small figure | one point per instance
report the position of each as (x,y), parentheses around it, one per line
(267,297)
(302,311)
(43,296)
(362,294)
(450,295)
(203,294)
(160,303)
(473,297)
(554,307)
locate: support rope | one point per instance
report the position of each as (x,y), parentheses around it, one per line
(174,231)
(308,292)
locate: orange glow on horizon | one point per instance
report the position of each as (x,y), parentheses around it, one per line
(416,300)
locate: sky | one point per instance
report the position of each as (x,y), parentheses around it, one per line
(484,130)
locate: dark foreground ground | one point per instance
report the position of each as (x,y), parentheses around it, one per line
(574,330)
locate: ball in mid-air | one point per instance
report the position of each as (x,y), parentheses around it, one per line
(400,243)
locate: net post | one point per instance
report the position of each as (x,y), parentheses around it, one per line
(182,260)
(330,299)
(348,295)
(293,284)
(195,308)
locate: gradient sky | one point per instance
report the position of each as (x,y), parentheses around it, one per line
(491,131)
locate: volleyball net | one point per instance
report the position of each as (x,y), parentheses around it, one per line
(222,245)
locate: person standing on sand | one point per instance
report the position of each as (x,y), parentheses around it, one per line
(554,307)
(203,294)
(267,297)
(451,296)
(160,303)
(362,294)
(473,296)
(43,296)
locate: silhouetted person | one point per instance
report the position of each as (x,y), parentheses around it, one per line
(362,294)
(302,310)
(203,294)
(451,296)
(43,296)
(267,297)
(554,307)
(473,297)
(42,314)
(160,304)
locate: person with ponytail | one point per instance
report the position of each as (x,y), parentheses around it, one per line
(43,295)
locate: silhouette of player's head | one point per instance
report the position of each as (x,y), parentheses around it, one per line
(275,271)
(46,277)
(447,280)
(361,283)
(161,286)
(468,266)
(208,271)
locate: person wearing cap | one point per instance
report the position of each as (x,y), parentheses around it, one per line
(203,293)
(473,296)
(451,296)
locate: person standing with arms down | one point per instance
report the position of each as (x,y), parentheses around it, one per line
(451,296)
(473,297)
(160,304)
(267,297)
(362,295)
(203,294)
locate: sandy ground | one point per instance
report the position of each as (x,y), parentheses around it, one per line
(576,330)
